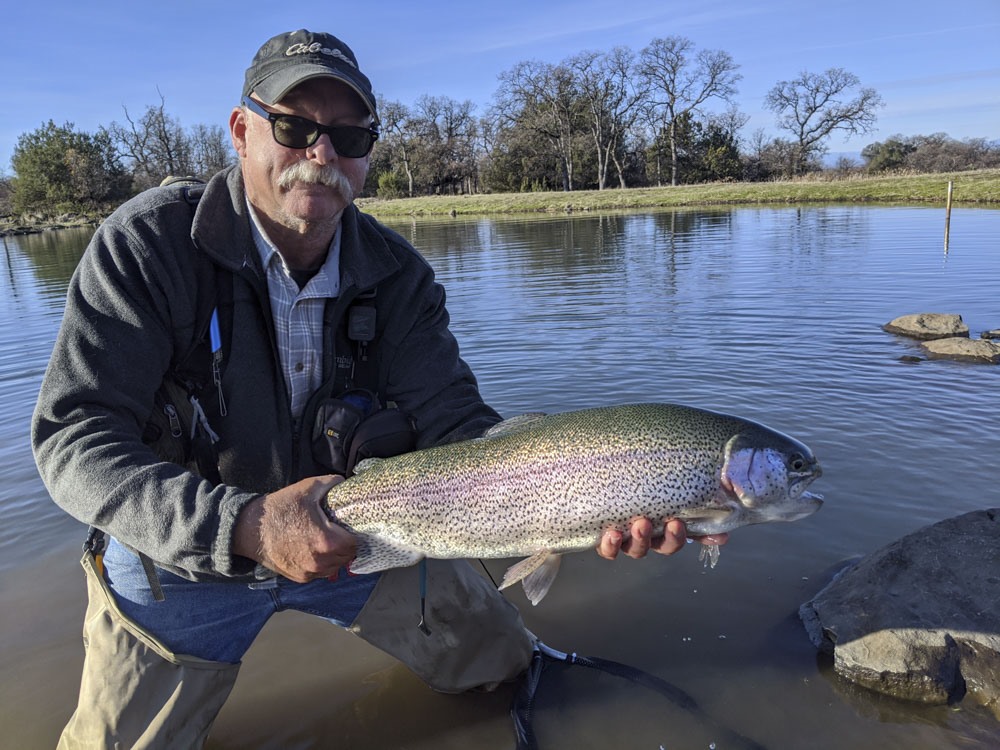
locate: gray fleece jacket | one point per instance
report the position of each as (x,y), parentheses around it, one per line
(131,311)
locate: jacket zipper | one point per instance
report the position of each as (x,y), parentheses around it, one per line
(173,419)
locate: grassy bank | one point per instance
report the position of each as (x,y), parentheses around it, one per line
(970,188)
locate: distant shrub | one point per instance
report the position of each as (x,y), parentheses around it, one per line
(391,185)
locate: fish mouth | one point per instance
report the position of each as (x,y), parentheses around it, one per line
(812,499)
(805,504)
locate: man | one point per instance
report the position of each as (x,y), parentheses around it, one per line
(208,477)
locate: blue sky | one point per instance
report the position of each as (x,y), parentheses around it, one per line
(937,66)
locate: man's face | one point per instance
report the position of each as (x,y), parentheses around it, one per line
(287,185)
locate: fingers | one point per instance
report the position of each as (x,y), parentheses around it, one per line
(673,539)
(640,540)
(610,544)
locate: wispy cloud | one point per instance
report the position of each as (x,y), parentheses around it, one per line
(923,34)
(945,79)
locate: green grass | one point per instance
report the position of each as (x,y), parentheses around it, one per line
(981,187)
(978,188)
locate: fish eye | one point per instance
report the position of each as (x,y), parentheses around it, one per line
(797,462)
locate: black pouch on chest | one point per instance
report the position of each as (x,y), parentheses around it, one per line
(355,426)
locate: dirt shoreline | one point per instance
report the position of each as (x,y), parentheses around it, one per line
(10,227)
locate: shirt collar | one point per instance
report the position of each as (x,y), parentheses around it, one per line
(326,282)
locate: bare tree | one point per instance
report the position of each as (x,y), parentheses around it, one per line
(211,150)
(680,84)
(154,146)
(396,138)
(445,133)
(543,98)
(814,105)
(731,121)
(606,86)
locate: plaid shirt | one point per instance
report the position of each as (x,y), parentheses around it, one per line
(298,315)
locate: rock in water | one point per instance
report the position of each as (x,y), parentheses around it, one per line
(920,618)
(927,326)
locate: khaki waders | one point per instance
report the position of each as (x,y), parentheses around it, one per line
(476,637)
(135,693)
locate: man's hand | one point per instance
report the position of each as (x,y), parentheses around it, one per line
(288,532)
(640,539)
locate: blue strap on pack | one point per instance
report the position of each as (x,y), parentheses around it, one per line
(215,338)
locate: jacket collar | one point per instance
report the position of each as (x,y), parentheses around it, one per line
(221,229)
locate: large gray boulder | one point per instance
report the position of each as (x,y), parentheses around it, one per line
(920,618)
(928,326)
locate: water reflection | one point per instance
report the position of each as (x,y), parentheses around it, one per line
(561,246)
(52,258)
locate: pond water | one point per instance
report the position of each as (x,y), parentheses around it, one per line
(769,313)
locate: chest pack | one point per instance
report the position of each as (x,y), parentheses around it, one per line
(356,423)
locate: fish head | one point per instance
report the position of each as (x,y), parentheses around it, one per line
(767,473)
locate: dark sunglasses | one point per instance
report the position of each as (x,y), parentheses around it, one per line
(293,131)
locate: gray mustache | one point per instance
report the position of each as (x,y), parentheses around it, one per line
(315,174)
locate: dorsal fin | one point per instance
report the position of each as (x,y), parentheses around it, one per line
(514,424)
(367,463)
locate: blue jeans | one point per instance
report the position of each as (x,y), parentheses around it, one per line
(219,621)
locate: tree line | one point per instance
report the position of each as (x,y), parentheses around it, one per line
(59,169)
(666,115)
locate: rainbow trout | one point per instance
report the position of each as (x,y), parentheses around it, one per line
(539,485)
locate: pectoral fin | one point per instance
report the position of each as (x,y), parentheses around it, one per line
(375,554)
(536,574)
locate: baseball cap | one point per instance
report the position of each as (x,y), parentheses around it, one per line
(286,60)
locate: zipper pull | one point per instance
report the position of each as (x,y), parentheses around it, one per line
(175,421)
